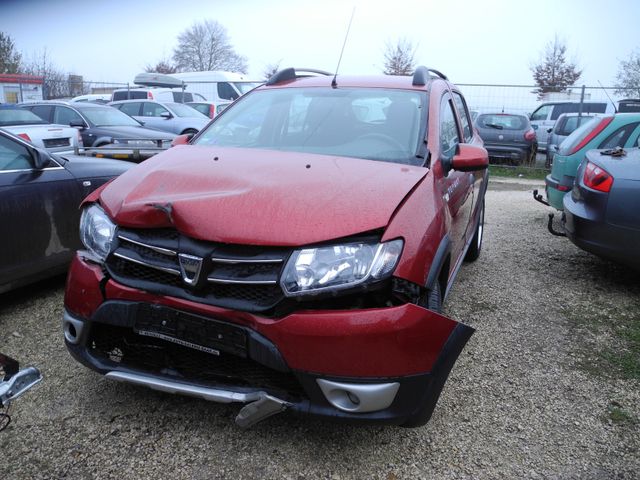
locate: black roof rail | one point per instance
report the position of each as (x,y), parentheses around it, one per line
(423,74)
(293,73)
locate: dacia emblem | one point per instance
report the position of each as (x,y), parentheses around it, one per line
(190,268)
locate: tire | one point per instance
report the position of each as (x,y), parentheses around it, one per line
(476,242)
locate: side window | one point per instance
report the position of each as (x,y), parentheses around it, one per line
(150,109)
(43,111)
(226,91)
(13,156)
(130,109)
(64,115)
(463,113)
(541,113)
(619,137)
(449,138)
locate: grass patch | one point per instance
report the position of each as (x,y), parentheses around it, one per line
(518,172)
(621,416)
(620,356)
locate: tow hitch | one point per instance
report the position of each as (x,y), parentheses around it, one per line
(557,233)
(257,411)
(13,383)
(538,197)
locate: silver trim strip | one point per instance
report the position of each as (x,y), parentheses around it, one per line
(31,170)
(241,282)
(145,264)
(163,251)
(242,260)
(211,394)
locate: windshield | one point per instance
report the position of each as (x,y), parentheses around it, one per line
(107,117)
(244,87)
(18,116)
(181,110)
(375,124)
(578,135)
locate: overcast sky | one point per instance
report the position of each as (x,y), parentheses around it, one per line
(490,41)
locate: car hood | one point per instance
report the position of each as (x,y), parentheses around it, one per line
(125,131)
(259,197)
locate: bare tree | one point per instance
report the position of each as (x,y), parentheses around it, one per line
(56,83)
(628,77)
(10,58)
(206,46)
(271,69)
(553,72)
(162,66)
(399,57)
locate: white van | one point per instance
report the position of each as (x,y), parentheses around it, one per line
(216,86)
(544,117)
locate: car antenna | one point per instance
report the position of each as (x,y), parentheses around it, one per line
(605,92)
(334,82)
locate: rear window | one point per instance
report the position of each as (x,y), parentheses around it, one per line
(502,122)
(18,116)
(575,108)
(578,135)
(129,95)
(571,123)
(181,110)
(182,97)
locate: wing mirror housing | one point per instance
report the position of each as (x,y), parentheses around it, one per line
(470,158)
(166,115)
(41,159)
(77,123)
(182,139)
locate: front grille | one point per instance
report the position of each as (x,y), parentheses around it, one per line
(55,142)
(123,346)
(242,277)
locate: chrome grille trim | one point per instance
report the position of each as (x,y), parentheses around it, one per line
(146,264)
(245,260)
(163,251)
(241,282)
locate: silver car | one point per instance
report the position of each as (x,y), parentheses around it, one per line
(170,117)
(565,125)
(30,127)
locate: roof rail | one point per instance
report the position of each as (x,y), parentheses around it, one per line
(423,74)
(293,73)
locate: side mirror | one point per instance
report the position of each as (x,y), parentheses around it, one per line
(41,159)
(534,126)
(77,123)
(166,115)
(470,158)
(549,130)
(182,139)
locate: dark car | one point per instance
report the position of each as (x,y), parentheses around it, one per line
(100,125)
(509,138)
(299,264)
(602,213)
(39,198)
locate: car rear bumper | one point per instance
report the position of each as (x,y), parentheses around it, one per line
(385,365)
(591,233)
(515,153)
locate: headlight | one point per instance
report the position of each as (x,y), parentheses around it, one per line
(314,270)
(97,231)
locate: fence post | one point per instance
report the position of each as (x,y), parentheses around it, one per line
(128,92)
(44,88)
(581,102)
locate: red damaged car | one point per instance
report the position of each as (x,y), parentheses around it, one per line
(294,255)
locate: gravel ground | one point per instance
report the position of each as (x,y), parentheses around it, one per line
(521,401)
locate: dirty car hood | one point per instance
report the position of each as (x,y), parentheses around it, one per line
(259,197)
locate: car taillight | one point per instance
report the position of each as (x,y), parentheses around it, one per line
(24,136)
(530,135)
(212,111)
(597,178)
(150,95)
(600,127)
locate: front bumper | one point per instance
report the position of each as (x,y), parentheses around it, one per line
(385,365)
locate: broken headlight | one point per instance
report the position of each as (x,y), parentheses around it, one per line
(336,267)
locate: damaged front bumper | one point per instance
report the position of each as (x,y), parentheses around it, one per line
(383,365)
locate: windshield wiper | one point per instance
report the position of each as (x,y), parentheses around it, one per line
(494,125)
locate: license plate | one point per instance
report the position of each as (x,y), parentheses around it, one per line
(189,330)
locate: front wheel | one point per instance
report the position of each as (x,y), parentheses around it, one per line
(476,242)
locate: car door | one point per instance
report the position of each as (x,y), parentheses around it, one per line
(152,117)
(540,121)
(38,212)
(458,186)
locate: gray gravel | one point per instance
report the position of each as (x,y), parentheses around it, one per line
(518,404)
